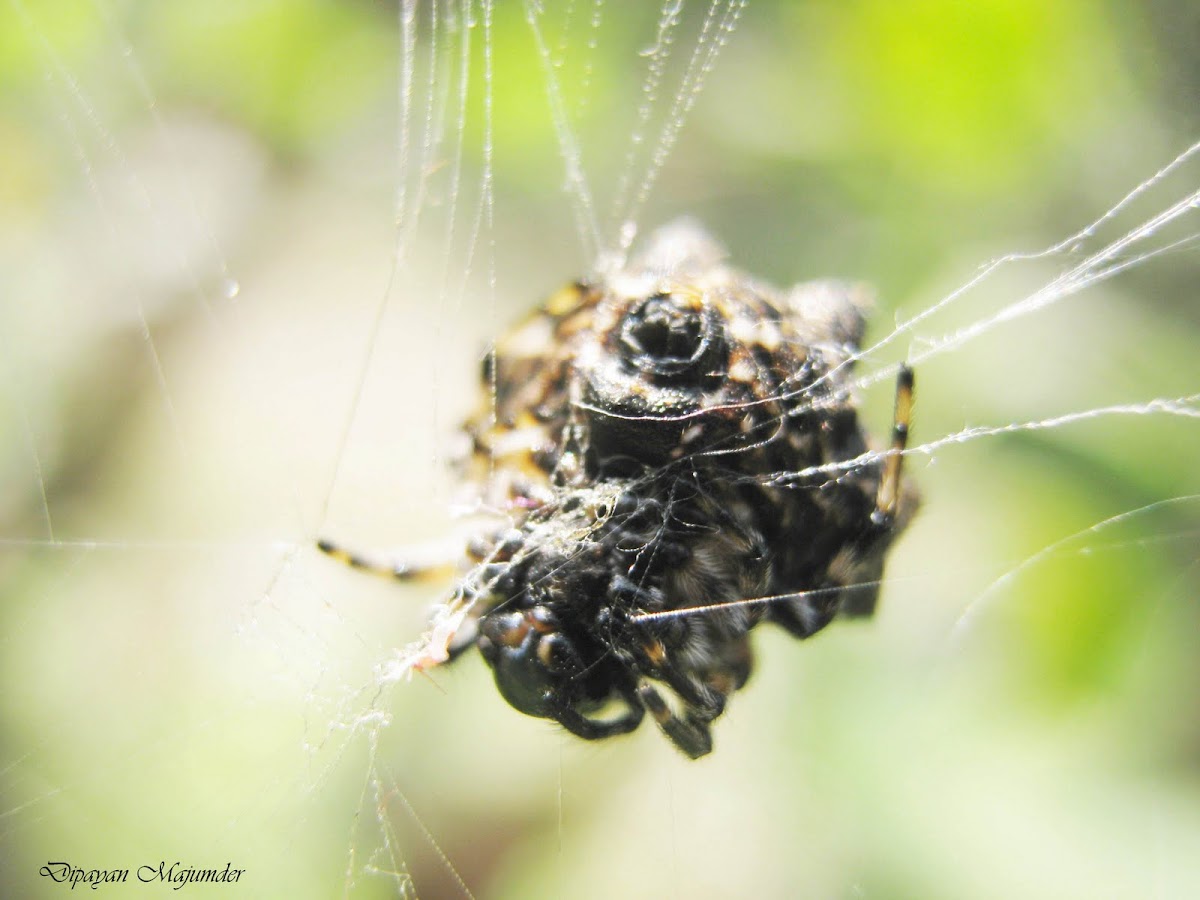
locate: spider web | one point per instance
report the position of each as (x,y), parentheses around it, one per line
(208,362)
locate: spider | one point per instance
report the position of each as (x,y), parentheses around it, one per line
(680,458)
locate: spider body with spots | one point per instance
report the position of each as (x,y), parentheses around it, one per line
(681,457)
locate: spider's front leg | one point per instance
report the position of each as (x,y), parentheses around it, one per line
(442,564)
(651,654)
(455,624)
(895,502)
(540,671)
(689,732)
(888,498)
(702,701)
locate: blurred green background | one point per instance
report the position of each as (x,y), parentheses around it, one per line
(205,279)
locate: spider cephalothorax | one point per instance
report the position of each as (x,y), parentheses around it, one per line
(681,458)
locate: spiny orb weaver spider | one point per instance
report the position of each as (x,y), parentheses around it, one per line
(680,457)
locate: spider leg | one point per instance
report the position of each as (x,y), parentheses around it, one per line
(888,497)
(704,701)
(689,733)
(596,729)
(858,573)
(400,570)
